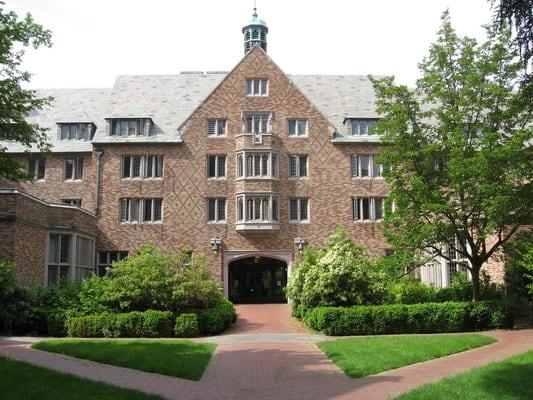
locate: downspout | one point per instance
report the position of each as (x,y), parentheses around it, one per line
(97,200)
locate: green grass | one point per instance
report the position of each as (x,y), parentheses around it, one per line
(370,355)
(180,358)
(510,379)
(23,381)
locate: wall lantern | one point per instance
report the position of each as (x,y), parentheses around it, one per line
(216,243)
(299,243)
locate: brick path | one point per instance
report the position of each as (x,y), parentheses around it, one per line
(268,357)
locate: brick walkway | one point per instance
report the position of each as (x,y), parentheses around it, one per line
(265,318)
(278,371)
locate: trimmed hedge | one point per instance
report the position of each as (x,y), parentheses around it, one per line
(414,318)
(149,323)
(216,319)
(187,325)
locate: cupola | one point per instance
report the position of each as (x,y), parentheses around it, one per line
(255,33)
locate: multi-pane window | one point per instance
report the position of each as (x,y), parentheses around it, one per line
(142,166)
(365,166)
(216,127)
(457,261)
(131,127)
(106,260)
(257,87)
(362,126)
(216,166)
(216,209)
(367,208)
(298,166)
(257,208)
(256,123)
(81,131)
(84,265)
(72,202)
(59,257)
(297,127)
(36,168)
(73,168)
(255,165)
(299,209)
(135,210)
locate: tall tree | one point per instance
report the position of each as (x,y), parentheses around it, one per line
(15,102)
(457,150)
(517,14)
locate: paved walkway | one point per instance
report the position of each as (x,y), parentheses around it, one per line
(265,318)
(278,371)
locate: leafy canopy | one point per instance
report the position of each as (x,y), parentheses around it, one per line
(15,102)
(456,149)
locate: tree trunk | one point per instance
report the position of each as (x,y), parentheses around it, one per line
(475,282)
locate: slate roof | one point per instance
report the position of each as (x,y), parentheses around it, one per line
(170,99)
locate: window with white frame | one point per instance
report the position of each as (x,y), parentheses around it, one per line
(257,87)
(72,202)
(365,166)
(298,166)
(137,210)
(72,131)
(257,208)
(362,126)
(256,123)
(73,168)
(257,165)
(216,166)
(131,127)
(142,166)
(216,127)
(59,257)
(216,209)
(37,168)
(367,208)
(299,209)
(106,260)
(297,127)
(457,261)
(84,266)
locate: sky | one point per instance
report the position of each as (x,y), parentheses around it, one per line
(94,41)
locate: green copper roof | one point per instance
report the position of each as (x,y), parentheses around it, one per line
(255,20)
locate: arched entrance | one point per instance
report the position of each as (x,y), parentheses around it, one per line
(257,279)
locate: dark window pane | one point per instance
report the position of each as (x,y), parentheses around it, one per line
(221,216)
(378,208)
(79,168)
(211,209)
(293,212)
(126,165)
(69,169)
(211,166)
(303,166)
(365,205)
(364,161)
(147,210)
(304,203)
(65,249)
(291,126)
(221,166)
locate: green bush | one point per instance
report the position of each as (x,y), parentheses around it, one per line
(519,267)
(216,319)
(150,323)
(340,275)
(415,318)
(412,291)
(187,325)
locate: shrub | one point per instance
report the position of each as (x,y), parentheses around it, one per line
(187,325)
(415,318)
(519,267)
(216,319)
(150,323)
(342,274)
(411,291)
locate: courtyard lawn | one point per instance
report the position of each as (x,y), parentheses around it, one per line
(27,382)
(180,358)
(509,379)
(370,355)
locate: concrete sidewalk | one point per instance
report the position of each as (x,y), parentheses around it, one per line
(290,370)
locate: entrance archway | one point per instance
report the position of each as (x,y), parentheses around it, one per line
(257,279)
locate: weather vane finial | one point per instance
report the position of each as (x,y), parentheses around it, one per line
(255,8)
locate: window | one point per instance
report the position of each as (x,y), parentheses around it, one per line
(367,208)
(131,127)
(255,165)
(59,257)
(133,210)
(84,266)
(216,166)
(72,202)
(257,87)
(365,166)
(257,208)
(299,209)
(297,127)
(106,260)
(216,127)
(216,210)
(256,123)
(74,168)
(298,166)
(457,262)
(81,131)
(362,126)
(142,166)
(36,168)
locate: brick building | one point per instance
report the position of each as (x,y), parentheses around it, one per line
(244,167)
